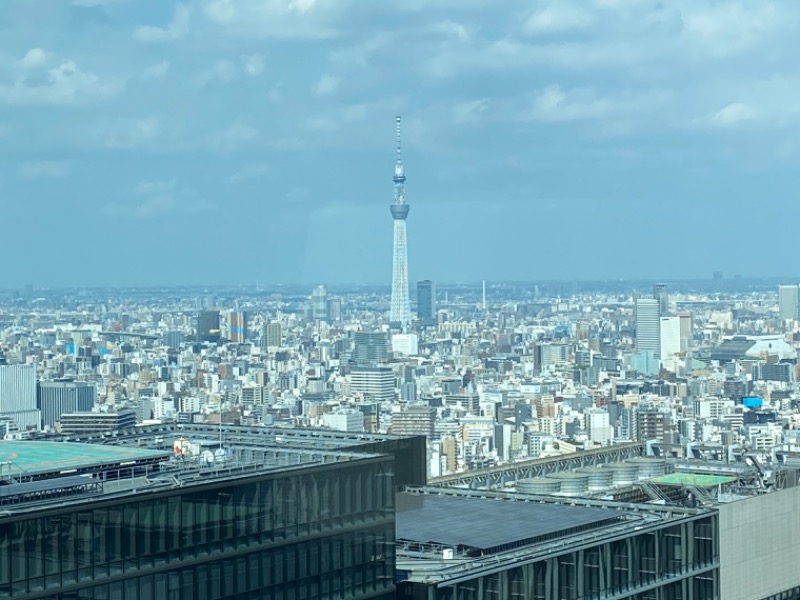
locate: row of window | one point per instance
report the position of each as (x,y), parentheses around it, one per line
(46,552)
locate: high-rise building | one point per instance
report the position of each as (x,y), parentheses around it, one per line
(319,304)
(208,326)
(400,308)
(426,302)
(370,347)
(789,302)
(271,336)
(375,383)
(56,398)
(687,330)
(18,396)
(237,326)
(648,325)
(414,420)
(660,293)
(670,337)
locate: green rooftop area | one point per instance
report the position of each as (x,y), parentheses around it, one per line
(30,457)
(692,479)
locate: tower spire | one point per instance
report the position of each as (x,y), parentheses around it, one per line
(400,308)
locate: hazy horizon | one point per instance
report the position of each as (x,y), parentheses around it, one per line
(153,143)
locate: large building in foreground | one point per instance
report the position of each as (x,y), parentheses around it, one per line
(456,544)
(199,520)
(400,309)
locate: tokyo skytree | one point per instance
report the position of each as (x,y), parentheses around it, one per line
(400,310)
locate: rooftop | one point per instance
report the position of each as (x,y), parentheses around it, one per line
(28,458)
(692,479)
(487,525)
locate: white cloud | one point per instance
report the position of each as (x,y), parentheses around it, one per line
(149,199)
(47,169)
(156,71)
(35,58)
(733,114)
(452,29)
(222,71)
(326,85)
(253,64)
(234,137)
(178,28)
(125,133)
(465,112)
(248,172)
(309,19)
(151,188)
(62,85)
(557,18)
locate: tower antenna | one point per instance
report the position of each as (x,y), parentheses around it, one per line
(400,307)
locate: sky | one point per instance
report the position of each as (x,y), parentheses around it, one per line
(152,142)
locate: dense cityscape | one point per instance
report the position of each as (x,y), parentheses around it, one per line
(577,378)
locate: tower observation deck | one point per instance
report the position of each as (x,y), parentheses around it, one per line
(400,309)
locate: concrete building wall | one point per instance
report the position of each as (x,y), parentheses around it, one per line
(760,545)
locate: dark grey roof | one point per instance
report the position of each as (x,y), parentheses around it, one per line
(488,524)
(44,485)
(732,349)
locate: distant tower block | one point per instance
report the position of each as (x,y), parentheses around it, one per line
(400,309)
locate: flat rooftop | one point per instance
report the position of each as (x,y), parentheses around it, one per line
(31,458)
(490,525)
(692,479)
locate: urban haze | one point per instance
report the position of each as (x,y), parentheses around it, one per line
(316,299)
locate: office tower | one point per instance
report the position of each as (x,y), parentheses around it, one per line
(648,325)
(56,398)
(370,347)
(208,326)
(660,293)
(335,310)
(670,337)
(400,309)
(271,336)
(687,330)
(405,344)
(237,326)
(598,426)
(426,302)
(18,396)
(789,302)
(319,304)
(139,523)
(414,420)
(375,383)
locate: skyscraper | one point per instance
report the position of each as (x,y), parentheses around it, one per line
(789,301)
(648,325)
(18,396)
(271,337)
(400,310)
(426,302)
(208,326)
(660,293)
(319,304)
(237,326)
(56,398)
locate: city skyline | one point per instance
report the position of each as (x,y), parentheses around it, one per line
(126,150)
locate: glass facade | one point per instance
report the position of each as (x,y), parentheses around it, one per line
(676,562)
(326,531)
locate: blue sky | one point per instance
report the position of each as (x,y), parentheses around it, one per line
(225,141)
